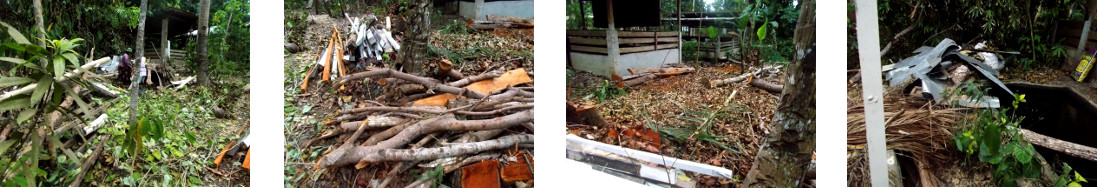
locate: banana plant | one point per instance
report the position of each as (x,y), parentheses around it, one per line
(43,69)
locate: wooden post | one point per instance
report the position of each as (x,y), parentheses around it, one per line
(868,39)
(164,41)
(612,47)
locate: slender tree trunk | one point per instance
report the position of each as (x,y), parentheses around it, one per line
(39,25)
(203,43)
(419,37)
(137,62)
(785,154)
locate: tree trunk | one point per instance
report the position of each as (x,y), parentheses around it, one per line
(203,43)
(39,25)
(784,157)
(140,54)
(417,37)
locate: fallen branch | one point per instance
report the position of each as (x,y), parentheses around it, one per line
(446,151)
(736,79)
(89,162)
(1070,148)
(447,122)
(431,84)
(762,84)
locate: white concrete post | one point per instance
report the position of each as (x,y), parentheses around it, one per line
(612,47)
(868,42)
(479,10)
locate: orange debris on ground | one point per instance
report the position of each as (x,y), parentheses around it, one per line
(510,78)
(482,174)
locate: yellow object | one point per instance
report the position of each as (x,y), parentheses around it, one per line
(1083,68)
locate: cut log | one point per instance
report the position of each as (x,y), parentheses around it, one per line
(484,174)
(1070,148)
(84,168)
(635,80)
(520,170)
(762,84)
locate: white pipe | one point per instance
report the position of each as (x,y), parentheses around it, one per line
(655,158)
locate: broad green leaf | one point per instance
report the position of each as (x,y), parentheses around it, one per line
(26,114)
(44,85)
(4,146)
(1078,177)
(762,32)
(15,34)
(1074,184)
(16,102)
(1021,155)
(13,60)
(194,180)
(58,68)
(1032,170)
(14,81)
(72,59)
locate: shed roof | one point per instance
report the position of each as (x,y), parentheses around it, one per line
(179,22)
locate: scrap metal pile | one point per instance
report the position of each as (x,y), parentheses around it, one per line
(478,127)
(933,71)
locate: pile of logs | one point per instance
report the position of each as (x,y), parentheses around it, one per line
(493,22)
(750,78)
(438,124)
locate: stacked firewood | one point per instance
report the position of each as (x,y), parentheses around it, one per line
(475,124)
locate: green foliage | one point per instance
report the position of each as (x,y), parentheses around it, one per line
(607,91)
(454,27)
(993,136)
(1066,180)
(573,14)
(1021,25)
(45,66)
(689,49)
(436,174)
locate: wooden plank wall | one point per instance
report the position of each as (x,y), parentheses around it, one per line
(594,41)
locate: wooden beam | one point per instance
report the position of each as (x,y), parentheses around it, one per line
(577,48)
(602,41)
(647,48)
(623,34)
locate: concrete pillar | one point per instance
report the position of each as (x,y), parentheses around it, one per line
(613,50)
(164,46)
(479,10)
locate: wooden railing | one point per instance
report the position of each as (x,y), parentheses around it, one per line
(594,41)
